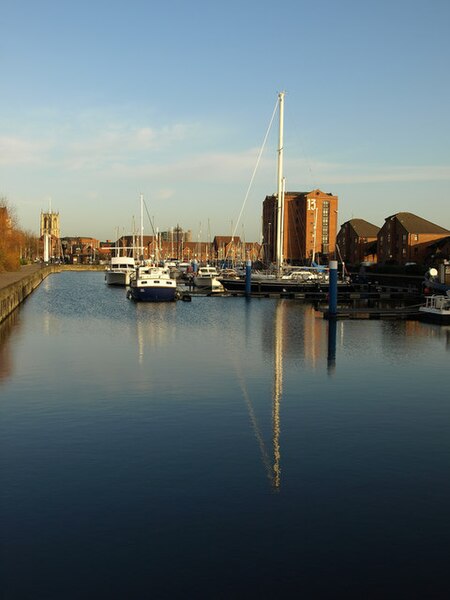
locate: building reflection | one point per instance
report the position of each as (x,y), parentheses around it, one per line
(6,327)
(301,332)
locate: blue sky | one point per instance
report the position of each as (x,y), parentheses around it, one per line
(103,100)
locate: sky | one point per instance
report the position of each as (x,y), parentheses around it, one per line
(101,101)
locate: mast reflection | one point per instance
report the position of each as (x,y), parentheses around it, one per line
(277,394)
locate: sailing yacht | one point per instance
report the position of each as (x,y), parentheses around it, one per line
(283,280)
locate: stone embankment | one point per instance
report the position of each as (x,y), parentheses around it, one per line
(16,286)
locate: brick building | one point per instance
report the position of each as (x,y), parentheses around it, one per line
(357,240)
(81,250)
(310,226)
(405,237)
(438,251)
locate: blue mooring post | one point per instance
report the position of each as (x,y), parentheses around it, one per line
(248,278)
(332,293)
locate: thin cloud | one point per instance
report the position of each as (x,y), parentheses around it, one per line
(335,173)
(19,151)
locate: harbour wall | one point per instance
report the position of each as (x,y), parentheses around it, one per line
(13,293)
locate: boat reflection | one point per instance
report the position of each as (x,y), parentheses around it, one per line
(153,325)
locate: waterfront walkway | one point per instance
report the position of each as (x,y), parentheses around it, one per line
(13,276)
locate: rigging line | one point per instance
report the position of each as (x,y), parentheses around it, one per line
(149,218)
(254,172)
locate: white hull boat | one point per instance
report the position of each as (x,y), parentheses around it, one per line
(207,280)
(436,309)
(120,270)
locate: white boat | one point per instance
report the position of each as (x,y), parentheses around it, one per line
(120,270)
(152,284)
(436,309)
(315,274)
(206,279)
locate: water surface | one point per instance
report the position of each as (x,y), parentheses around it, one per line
(220,448)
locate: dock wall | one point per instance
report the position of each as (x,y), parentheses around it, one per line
(15,293)
(12,295)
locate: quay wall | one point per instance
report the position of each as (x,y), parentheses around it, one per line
(13,294)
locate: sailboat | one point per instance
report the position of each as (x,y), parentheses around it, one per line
(284,280)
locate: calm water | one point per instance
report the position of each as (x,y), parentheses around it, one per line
(219,449)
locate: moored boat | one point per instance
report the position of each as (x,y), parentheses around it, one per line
(207,279)
(284,286)
(120,270)
(436,309)
(152,284)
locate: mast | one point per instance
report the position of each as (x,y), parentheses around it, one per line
(141,253)
(280,193)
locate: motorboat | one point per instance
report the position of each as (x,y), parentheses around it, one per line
(436,309)
(152,284)
(206,279)
(120,270)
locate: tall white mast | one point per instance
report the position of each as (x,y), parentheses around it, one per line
(280,186)
(141,253)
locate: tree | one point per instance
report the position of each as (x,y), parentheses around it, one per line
(9,238)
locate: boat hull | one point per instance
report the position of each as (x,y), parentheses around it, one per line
(208,284)
(118,277)
(153,294)
(277,286)
(434,316)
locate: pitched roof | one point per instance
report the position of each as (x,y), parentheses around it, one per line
(440,243)
(414,224)
(364,228)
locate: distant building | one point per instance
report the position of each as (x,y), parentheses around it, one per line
(50,235)
(233,249)
(176,235)
(49,224)
(80,250)
(438,251)
(357,241)
(405,237)
(310,226)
